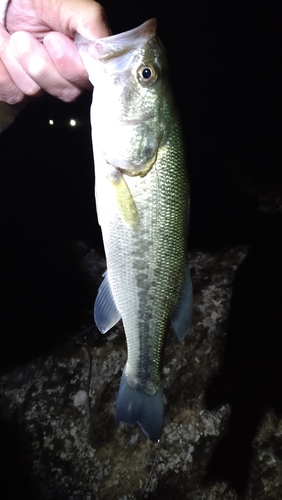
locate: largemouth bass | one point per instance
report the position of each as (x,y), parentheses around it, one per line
(142,197)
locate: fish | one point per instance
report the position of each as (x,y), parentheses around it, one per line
(142,199)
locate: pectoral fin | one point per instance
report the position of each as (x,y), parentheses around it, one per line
(125,201)
(183,314)
(106,314)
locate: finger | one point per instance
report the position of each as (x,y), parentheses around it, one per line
(66,58)
(19,76)
(39,67)
(92,24)
(9,92)
(4,38)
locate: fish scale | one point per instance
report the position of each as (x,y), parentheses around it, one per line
(142,197)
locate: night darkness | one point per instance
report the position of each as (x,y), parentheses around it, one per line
(46,204)
(225,67)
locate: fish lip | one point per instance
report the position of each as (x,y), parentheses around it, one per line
(145,31)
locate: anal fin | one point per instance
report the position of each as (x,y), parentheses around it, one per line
(106,314)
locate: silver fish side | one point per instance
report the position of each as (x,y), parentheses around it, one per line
(142,196)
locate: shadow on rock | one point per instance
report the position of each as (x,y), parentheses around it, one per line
(45,290)
(250,378)
(16,464)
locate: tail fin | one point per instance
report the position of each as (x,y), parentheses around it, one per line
(135,407)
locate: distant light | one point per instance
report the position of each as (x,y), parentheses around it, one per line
(51,122)
(73,123)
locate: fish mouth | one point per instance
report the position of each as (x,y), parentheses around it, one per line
(115,45)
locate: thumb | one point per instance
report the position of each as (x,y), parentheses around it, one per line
(86,17)
(68,17)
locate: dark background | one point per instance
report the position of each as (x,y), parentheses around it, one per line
(225,67)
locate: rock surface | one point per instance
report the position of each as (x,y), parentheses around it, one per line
(58,413)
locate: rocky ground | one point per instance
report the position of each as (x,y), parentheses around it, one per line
(60,440)
(222,435)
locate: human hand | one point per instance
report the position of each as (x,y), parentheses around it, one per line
(37,51)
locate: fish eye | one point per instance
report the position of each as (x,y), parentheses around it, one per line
(147,74)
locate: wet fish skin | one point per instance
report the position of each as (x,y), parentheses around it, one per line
(142,197)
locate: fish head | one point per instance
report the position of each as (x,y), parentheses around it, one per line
(129,74)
